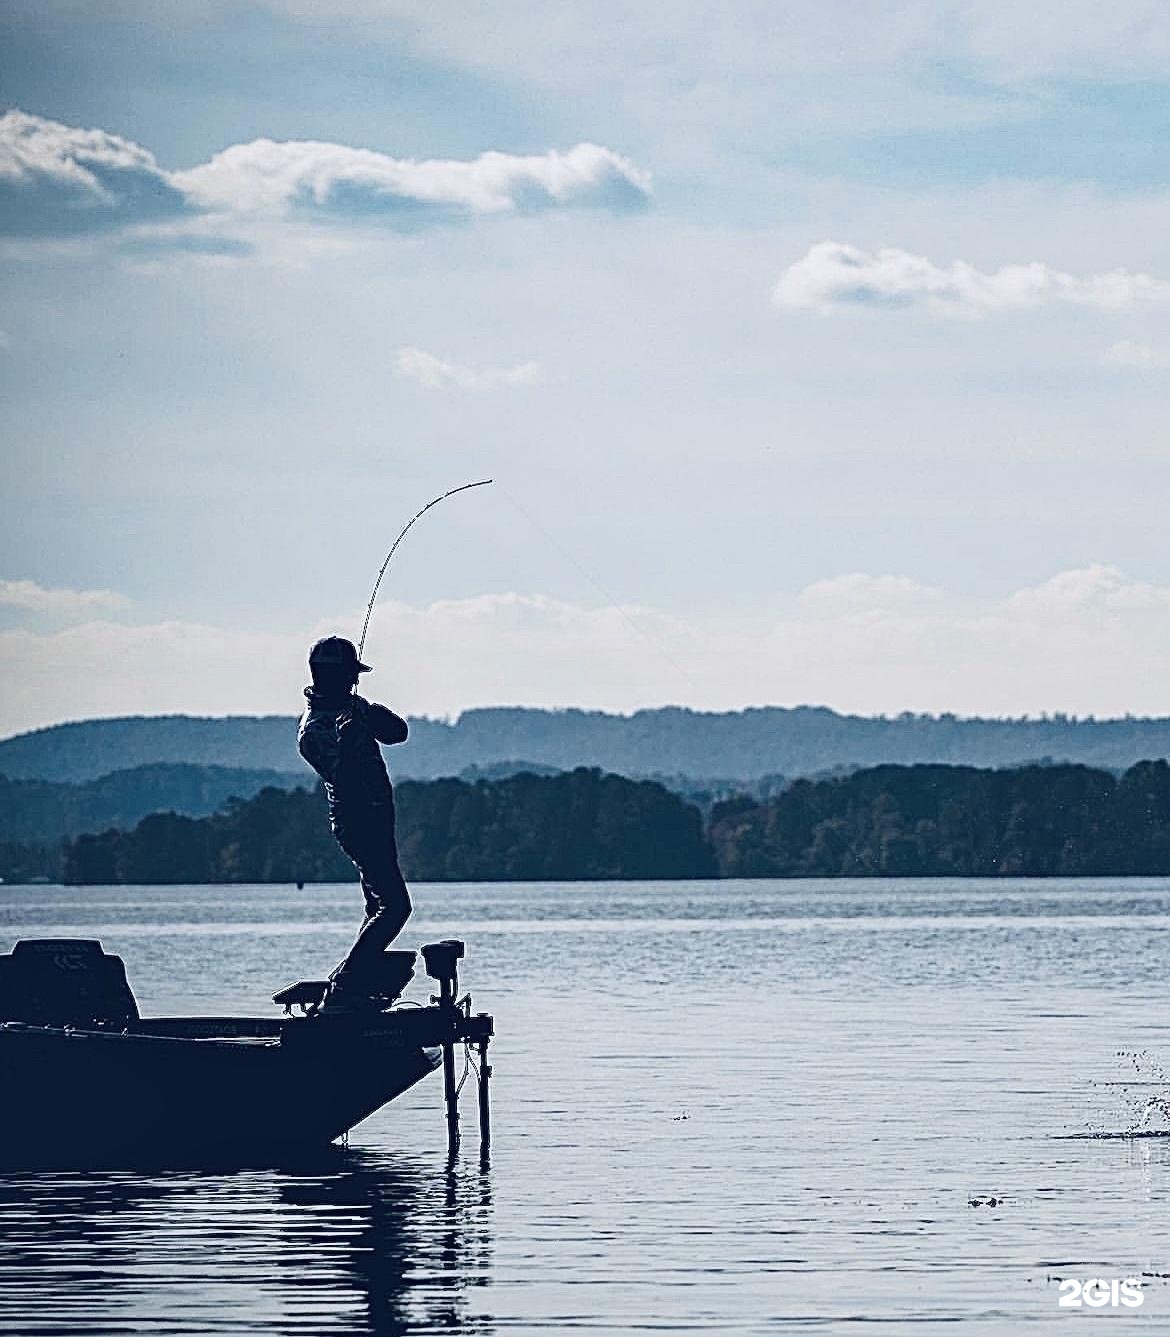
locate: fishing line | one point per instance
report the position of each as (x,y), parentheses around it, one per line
(605,594)
(464,487)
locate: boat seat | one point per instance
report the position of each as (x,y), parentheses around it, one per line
(304,994)
(65,982)
(382,980)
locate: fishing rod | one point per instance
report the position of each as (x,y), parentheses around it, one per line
(465,487)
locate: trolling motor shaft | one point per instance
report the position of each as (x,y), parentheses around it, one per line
(442,964)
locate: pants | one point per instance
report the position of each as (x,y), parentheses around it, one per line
(370,843)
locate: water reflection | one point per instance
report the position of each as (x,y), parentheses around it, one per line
(356,1244)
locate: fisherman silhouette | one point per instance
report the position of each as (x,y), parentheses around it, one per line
(338,735)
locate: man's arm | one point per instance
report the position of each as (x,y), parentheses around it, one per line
(319,747)
(384,724)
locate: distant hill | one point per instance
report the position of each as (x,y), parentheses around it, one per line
(44,812)
(87,749)
(737,746)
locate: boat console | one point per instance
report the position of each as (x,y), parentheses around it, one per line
(65,982)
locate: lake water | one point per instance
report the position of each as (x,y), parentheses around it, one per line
(737,1107)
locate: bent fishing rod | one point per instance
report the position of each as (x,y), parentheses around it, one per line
(465,487)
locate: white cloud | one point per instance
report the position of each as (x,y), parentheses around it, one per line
(34,598)
(859,592)
(264,176)
(1137,357)
(434,659)
(438,374)
(33,148)
(833,275)
(1097,588)
(104,668)
(57,179)
(1088,640)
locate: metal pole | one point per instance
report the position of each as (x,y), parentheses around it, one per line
(447,990)
(485,1117)
(451,1098)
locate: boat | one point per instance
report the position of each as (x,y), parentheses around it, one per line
(87,1079)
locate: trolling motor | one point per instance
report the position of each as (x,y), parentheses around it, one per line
(442,964)
(448,1022)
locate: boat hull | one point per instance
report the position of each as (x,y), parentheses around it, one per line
(199,1087)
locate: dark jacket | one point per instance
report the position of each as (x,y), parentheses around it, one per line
(338,736)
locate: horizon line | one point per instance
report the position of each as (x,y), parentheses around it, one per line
(452,720)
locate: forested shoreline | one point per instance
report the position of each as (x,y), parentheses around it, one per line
(884,821)
(954,821)
(581,824)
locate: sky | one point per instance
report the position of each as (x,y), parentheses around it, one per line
(819,353)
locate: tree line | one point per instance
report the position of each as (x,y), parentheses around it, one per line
(581,824)
(45,812)
(886,821)
(940,821)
